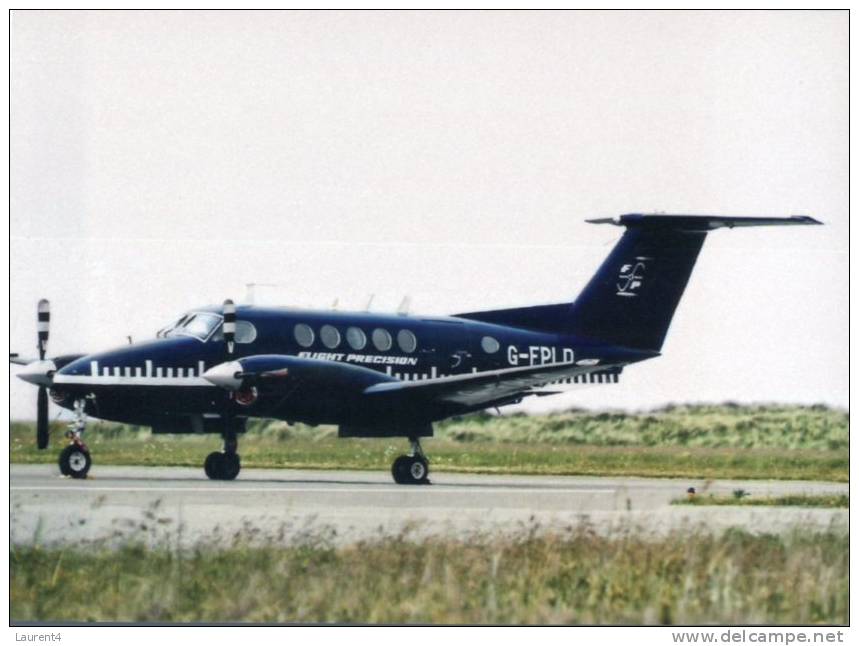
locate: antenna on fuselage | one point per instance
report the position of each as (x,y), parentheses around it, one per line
(369,302)
(335,303)
(405,306)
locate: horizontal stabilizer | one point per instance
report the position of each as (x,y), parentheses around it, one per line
(701,222)
(631,299)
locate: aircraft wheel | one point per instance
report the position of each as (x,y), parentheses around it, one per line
(75,461)
(418,470)
(222,466)
(410,469)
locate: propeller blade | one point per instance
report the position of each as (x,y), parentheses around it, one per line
(43,326)
(229,324)
(42,418)
(230,338)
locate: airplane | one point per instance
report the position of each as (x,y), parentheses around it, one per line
(371,374)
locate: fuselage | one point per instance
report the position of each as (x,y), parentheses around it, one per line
(377,375)
(162,380)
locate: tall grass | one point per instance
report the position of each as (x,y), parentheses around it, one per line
(705,425)
(724,441)
(725,425)
(570,578)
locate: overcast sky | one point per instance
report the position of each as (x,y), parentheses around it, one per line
(161,161)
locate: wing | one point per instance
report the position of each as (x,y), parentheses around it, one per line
(15,358)
(482,388)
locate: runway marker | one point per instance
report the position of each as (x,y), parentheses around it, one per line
(307,490)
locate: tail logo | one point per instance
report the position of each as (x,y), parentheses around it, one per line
(631,277)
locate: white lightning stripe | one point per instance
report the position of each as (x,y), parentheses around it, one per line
(118,380)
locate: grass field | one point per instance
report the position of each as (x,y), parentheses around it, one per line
(735,578)
(532,578)
(690,441)
(707,441)
(832,501)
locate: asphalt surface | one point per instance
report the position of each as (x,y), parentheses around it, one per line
(180,507)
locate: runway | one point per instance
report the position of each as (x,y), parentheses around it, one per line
(180,507)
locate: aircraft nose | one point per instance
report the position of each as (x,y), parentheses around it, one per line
(225,375)
(40,373)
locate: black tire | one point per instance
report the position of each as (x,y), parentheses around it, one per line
(64,465)
(212,465)
(231,464)
(222,466)
(400,470)
(410,469)
(75,461)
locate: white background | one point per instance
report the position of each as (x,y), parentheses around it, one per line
(491,136)
(161,161)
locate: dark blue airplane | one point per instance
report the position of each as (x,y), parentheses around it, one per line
(376,375)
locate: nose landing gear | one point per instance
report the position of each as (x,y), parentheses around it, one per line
(75,460)
(411,469)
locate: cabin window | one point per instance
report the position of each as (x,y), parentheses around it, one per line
(356,338)
(304,335)
(489,344)
(245,332)
(165,331)
(382,339)
(199,325)
(330,336)
(407,341)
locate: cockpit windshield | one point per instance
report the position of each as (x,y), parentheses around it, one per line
(197,324)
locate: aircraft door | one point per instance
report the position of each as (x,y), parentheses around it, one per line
(448,347)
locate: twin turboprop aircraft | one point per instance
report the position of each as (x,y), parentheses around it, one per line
(376,375)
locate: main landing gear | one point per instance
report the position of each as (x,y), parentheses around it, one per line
(75,459)
(411,469)
(224,465)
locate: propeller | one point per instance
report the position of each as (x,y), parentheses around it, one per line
(230,325)
(229,329)
(43,328)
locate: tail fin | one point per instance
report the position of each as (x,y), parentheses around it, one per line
(631,299)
